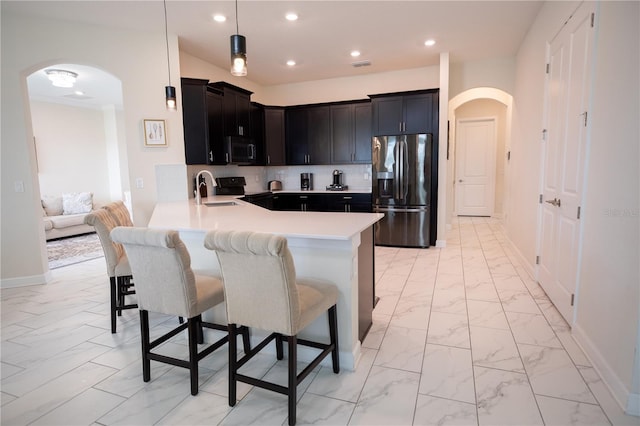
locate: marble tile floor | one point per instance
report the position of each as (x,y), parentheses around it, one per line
(461,335)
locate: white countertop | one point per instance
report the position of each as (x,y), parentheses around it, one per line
(187,216)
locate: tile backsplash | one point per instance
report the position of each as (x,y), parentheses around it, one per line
(356,176)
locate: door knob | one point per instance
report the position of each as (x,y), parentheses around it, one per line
(554,202)
(460,180)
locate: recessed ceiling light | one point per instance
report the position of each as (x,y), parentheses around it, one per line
(355,53)
(79,92)
(430,42)
(291,16)
(219,18)
(291,62)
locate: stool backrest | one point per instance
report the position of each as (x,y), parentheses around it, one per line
(120,212)
(104,222)
(161,268)
(259,279)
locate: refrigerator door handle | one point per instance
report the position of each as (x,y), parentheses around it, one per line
(399,209)
(405,169)
(397,171)
(401,169)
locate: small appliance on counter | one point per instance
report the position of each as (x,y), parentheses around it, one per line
(230,185)
(337,182)
(306,181)
(274,185)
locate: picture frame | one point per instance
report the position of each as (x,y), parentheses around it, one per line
(155,134)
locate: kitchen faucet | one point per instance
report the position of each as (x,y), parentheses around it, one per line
(197,192)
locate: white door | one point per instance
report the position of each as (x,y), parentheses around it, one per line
(475,166)
(567,97)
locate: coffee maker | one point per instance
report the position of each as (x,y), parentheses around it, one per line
(306,181)
(337,182)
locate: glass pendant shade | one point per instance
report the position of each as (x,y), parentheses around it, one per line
(238,55)
(170,93)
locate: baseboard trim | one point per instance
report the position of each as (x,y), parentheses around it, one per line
(633,404)
(618,390)
(441,243)
(527,265)
(26,281)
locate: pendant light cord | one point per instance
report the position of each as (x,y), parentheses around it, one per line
(237,30)
(166,36)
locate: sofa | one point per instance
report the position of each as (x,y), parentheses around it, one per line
(63,216)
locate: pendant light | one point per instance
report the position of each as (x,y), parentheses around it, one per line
(238,51)
(169,91)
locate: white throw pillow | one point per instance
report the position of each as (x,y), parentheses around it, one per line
(77,202)
(52,205)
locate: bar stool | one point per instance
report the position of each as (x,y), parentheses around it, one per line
(166,284)
(261,291)
(118,268)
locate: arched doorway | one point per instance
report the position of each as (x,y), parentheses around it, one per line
(483,103)
(77,133)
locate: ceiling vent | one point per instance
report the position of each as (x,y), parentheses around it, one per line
(361,64)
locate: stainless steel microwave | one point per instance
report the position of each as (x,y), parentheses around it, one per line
(241,150)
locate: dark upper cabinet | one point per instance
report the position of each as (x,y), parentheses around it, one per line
(236,107)
(267,129)
(202,110)
(351,133)
(274,145)
(319,134)
(308,135)
(407,113)
(296,136)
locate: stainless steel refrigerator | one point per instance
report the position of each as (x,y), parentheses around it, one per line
(401,172)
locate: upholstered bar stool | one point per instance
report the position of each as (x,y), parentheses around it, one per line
(120,213)
(166,284)
(261,291)
(118,268)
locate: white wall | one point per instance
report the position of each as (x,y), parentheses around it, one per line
(29,44)
(498,73)
(608,289)
(71,149)
(608,298)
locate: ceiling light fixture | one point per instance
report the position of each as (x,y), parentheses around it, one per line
(291,16)
(219,18)
(355,53)
(61,78)
(430,42)
(169,91)
(291,62)
(238,51)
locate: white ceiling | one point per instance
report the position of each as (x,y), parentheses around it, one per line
(390,34)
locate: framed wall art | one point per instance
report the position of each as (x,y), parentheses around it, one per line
(155,133)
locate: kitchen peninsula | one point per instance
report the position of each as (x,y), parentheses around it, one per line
(335,247)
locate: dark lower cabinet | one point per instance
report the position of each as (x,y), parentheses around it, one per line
(318,202)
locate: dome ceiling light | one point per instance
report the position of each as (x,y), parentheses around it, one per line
(61,78)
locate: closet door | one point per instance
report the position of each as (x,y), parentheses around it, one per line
(567,124)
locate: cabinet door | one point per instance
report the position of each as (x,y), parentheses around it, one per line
(388,115)
(342,133)
(362,133)
(274,137)
(296,136)
(319,135)
(237,113)
(194,118)
(417,114)
(216,154)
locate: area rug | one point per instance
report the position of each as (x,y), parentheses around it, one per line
(68,251)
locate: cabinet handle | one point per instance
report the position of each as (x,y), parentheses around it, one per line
(211,156)
(268,159)
(226,157)
(400,126)
(240,130)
